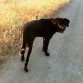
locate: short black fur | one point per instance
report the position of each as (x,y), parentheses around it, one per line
(41,28)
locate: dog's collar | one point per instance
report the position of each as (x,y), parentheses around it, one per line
(57,24)
(61,27)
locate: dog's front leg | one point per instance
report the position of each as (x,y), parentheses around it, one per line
(45,46)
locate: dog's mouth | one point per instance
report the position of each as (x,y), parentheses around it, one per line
(61,31)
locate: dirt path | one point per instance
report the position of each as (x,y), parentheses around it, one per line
(65,64)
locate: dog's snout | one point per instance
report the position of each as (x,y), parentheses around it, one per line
(67,25)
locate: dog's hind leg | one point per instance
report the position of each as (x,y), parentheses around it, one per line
(27,59)
(23,50)
(30,43)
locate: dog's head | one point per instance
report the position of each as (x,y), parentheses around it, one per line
(61,23)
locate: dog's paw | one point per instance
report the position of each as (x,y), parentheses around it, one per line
(25,69)
(47,54)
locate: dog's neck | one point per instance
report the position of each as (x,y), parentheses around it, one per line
(61,27)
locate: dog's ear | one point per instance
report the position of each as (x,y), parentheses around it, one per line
(54,21)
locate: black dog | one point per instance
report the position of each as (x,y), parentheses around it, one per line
(41,28)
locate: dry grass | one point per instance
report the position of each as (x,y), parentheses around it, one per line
(15,13)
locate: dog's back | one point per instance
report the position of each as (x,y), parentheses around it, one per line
(39,28)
